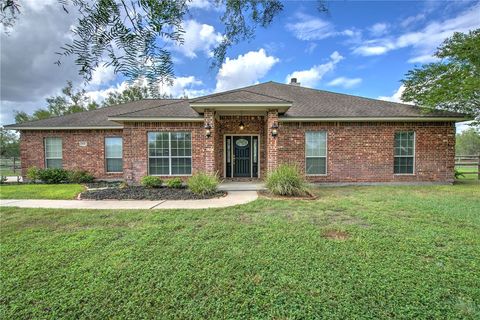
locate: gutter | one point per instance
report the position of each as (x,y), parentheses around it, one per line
(372,119)
(62,128)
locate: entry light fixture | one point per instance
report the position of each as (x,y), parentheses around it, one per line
(274,129)
(208,131)
(241,126)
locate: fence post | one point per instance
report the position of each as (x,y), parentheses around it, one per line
(14,166)
(478,167)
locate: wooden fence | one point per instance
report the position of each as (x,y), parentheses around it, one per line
(472,161)
(10,166)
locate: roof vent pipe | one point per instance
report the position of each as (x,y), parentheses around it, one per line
(293,82)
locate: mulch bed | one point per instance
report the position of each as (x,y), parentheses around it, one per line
(267,194)
(142,193)
(103,184)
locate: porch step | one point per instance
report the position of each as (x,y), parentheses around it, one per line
(241,186)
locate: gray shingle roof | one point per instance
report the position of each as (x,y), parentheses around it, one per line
(305,103)
(239,96)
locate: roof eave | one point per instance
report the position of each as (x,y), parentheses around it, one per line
(373,119)
(19,127)
(154,119)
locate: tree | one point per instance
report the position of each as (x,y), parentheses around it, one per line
(71,101)
(468,142)
(453,84)
(9,144)
(134,36)
(131,93)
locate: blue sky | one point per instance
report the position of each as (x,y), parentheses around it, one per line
(360,48)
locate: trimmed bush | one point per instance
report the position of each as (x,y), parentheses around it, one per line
(286,180)
(175,183)
(151,182)
(80,176)
(203,184)
(53,175)
(33,174)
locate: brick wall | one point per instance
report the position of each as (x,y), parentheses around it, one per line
(136,145)
(357,152)
(90,157)
(364,152)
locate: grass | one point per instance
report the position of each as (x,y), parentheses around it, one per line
(355,252)
(468,169)
(40,191)
(9,172)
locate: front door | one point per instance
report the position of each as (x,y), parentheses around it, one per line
(242,161)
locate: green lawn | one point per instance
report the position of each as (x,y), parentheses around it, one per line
(468,176)
(40,191)
(400,252)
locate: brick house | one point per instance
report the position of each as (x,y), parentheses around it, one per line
(247,132)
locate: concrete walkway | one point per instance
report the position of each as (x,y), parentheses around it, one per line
(231,199)
(241,186)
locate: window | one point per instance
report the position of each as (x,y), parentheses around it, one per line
(169,153)
(53,153)
(316,153)
(113,154)
(404,159)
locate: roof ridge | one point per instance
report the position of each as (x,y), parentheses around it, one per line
(267,95)
(228,91)
(149,108)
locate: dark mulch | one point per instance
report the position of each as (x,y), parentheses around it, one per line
(142,193)
(103,184)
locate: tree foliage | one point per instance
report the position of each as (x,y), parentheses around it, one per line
(453,84)
(136,36)
(9,144)
(131,93)
(468,142)
(70,101)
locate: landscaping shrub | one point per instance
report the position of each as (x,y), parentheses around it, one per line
(53,175)
(151,182)
(286,180)
(80,176)
(174,183)
(33,174)
(203,184)
(459,174)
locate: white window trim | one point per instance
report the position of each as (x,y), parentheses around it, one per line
(169,157)
(106,158)
(45,150)
(326,155)
(414,154)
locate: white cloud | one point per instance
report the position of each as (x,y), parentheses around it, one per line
(182,86)
(205,5)
(426,58)
(311,77)
(372,50)
(102,75)
(245,70)
(409,21)
(425,41)
(309,28)
(198,38)
(378,29)
(395,97)
(345,82)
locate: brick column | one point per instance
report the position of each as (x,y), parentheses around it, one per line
(272,151)
(209,150)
